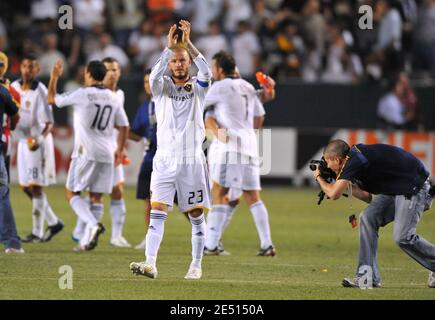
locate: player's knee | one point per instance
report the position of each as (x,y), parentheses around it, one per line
(195,213)
(96,198)
(159,206)
(36,191)
(234,203)
(251,197)
(117,193)
(69,194)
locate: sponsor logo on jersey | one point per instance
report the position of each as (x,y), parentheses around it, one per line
(188,87)
(27,104)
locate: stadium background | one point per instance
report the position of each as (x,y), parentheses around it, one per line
(329,72)
(329,81)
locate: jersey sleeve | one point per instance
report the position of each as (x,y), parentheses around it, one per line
(354,163)
(121,119)
(204,73)
(140,122)
(11,105)
(258,107)
(46,109)
(157,81)
(70,98)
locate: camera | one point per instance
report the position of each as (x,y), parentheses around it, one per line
(327,174)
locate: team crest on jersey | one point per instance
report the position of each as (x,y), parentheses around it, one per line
(27,104)
(188,87)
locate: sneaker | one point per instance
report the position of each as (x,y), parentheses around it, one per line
(52,231)
(79,248)
(431,281)
(14,250)
(31,238)
(120,242)
(193,274)
(143,269)
(141,246)
(354,283)
(268,252)
(222,251)
(95,233)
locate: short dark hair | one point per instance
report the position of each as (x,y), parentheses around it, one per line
(147,71)
(29,56)
(97,69)
(110,60)
(338,148)
(225,61)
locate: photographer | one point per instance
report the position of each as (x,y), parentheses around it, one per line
(401,185)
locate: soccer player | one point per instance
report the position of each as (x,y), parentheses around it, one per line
(401,184)
(117,204)
(179,164)
(97,110)
(35,154)
(144,126)
(231,104)
(265,94)
(9,106)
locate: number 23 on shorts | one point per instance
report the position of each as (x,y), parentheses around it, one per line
(192,195)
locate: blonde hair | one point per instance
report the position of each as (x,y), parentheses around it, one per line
(4,58)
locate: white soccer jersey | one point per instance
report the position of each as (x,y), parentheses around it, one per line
(179,109)
(35,111)
(96,112)
(121,97)
(235,103)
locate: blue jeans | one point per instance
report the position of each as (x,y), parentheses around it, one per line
(8,229)
(406,213)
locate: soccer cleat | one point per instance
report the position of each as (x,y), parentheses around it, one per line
(143,269)
(193,274)
(52,231)
(431,281)
(79,248)
(209,252)
(268,252)
(141,246)
(14,250)
(355,283)
(120,242)
(95,233)
(31,238)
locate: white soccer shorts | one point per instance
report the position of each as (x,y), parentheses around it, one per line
(189,180)
(236,171)
(118,175)
(36,168)
(87,175)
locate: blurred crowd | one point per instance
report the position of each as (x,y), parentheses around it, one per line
(311,40)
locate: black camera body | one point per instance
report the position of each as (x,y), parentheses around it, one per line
(327,174)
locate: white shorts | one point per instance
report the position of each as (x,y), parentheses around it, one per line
(87,175)
(118,175)
(236,171)
(234,194)
(189,180)
(36,168)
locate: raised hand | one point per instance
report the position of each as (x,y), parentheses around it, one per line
(57,69)
(185,27)
(172,37)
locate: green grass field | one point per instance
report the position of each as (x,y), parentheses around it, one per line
(316,248)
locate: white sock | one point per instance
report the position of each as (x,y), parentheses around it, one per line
(82,210)
(50,216)
(79,229)
(261,219)
(228,218)
(154,235)
(198,239)
(215,222)
(117,212)
(38,216)
(97,210)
